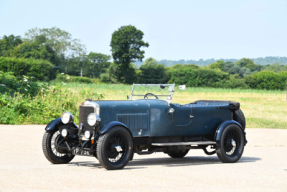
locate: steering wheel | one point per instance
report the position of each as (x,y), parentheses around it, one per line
(145,97)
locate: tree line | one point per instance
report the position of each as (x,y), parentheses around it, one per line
(44,53)
(205,62)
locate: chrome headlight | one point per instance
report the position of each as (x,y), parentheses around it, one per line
(67,117)
(93,119)
(64,132)
(88,134)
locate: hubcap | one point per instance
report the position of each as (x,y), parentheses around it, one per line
(231,143)
(117,148)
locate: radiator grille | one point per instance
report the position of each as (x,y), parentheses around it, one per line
(134,121)
(83,115)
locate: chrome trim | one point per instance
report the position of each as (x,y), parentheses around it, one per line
(171,110)
(89,134)
(71,117)
(171,92)
(233,143)
(93,104)
(98,119)
(118,148)
(185,143)
(64,134)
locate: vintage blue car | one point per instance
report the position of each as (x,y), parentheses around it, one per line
(112,131)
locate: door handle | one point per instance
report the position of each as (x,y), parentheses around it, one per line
(191,116)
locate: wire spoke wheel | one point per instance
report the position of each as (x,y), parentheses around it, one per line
(115,148)
(55,141)
(116,140)
(51,140)
(231,144)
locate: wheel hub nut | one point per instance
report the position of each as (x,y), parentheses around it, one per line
(118,148)
(233,143)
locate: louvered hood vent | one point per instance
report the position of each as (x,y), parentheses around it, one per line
(134,121)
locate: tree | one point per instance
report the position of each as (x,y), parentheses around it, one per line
(217,65)
(126,46)
(153,73)
(150,61)
(7,43)
(36,50)
(244,71)
(276,68)
(61,41)
(98,61)
(248,63)
(115,73)
(231,68)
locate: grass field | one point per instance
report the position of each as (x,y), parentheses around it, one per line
(262,108)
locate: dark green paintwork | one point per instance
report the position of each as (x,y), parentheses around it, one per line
(206,117)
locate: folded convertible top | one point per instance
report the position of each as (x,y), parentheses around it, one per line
(234,105)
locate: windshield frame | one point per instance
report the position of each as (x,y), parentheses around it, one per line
(155,85)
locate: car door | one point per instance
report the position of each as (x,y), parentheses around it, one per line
(182,115)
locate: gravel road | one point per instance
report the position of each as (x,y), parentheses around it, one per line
(23,167)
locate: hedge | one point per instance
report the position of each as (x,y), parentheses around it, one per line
(267,80)
(39,69)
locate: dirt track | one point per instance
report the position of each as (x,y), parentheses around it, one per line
(23,166)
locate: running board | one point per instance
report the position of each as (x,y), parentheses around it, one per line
(185,143)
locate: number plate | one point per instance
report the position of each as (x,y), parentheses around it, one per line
(79,151)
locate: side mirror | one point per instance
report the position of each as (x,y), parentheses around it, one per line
(182,87)
(128,97)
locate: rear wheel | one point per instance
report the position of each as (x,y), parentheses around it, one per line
(179,154)
(115,148)
(230,147)
(51,140)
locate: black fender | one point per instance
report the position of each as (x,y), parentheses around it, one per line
(112,124)
(56,123)
(222,126)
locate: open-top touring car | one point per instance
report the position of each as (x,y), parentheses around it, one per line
(112,131)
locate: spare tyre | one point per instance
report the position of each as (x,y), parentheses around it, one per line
(240,118)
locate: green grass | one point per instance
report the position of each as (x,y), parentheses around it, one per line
(262,108)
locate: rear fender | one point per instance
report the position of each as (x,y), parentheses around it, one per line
(112,124)
(223,125)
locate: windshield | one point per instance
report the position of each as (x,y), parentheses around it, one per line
(152,91)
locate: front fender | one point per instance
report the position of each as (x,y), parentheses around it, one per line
(112,124)
(222,126)
(54,124)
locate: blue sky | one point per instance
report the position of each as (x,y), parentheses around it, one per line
(182,29)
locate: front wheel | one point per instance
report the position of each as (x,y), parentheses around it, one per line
(230,147)
(50,141)
(115,148)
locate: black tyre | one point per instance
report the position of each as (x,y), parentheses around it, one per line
(240,118)
(230,147)
(115,148)
(49,143)
(178,154)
